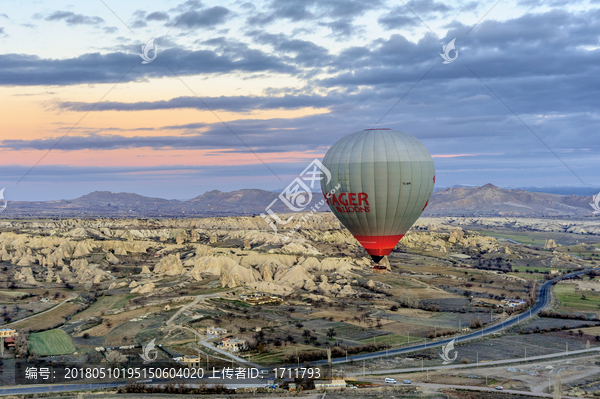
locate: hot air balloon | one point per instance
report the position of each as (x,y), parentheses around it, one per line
(386,178)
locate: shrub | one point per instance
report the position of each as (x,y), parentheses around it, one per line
(476,323)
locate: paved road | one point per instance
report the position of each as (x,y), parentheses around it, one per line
(543,300)
(33,389)
(230,355)
(41,313)
(482,364)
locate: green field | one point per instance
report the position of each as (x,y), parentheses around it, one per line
(538,238)
(50,343)
(582,250)
(571,299)
(521,238)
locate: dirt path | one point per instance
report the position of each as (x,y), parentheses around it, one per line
(201,338)
(437,387)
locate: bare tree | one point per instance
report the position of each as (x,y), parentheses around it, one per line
(21,343)
(331,333)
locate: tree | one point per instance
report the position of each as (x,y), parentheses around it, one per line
(259,336)
(306,333)
(476,323)
(331,333)
(394,308)
(299,325)
(86,335)
(21,343)
(261,348)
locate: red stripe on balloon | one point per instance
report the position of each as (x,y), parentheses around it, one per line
(379,245)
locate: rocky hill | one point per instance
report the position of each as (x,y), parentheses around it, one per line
(490,200)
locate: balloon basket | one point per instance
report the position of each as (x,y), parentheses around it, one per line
(380,269)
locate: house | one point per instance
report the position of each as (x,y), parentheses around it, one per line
(188,361)
(215,331)
(233,344)
(6,332)
(514,302)
(330,384)
(260,298)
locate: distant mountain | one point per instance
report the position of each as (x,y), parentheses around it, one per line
(241,202)
(106,203)
(566,190)
(490,200)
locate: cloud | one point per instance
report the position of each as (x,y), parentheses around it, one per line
(271,135)
(428,7)
(208,17)
(398,18)
(157,16)
(541,64)
(342,12)
(29,70)
(300,52)
(225,103)
(410,14)
(73,19)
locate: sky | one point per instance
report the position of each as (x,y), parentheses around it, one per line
(246,94)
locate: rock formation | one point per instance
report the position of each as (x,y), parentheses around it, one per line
(170,265)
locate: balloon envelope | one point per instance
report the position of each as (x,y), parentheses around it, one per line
(386,178)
